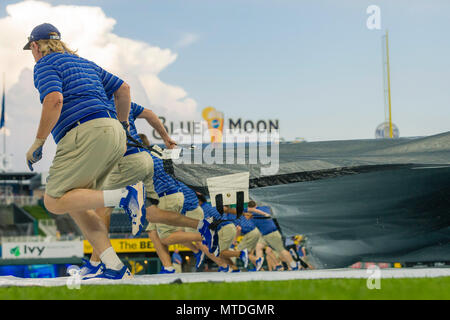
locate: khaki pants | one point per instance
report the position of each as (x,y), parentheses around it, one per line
(130,170)
(177,267)
(85,156)
(275,241)
(226,236)
(198,214)
(165,230)
(173,202)
(249,240)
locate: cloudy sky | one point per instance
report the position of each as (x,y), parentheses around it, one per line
(314,65)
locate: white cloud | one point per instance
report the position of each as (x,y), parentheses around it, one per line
(88,30)
(186,40)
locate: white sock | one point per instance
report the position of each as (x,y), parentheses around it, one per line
(169,268)
(110,259)
(94,263)
(293,264)
(111,198)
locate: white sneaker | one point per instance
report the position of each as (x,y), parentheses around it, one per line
(244,257)
(123,273)
(259,263)
(134,206)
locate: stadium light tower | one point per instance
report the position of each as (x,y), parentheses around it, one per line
(388,84)
(387,129)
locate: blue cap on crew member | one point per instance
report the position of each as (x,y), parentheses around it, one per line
(41,32)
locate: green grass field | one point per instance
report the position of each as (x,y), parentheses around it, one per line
(330,289)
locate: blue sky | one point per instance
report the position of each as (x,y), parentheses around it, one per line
(311,64)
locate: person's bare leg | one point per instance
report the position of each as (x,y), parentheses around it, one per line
(182,237)
(105,215)
(230,254)
(76,200)
(230,263)
(259,250)
(269,252)
(271,263)
(272,260)
(161,250)
(179,239)
(187,239)
(94,230)
(156,215)
(252,258)
(220,262)
(257,253)
(191,246)
(227,254)
(286,257)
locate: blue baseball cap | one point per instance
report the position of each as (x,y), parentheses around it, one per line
(42,32)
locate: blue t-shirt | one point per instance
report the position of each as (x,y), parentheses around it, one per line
(162,181)
(176,258)
(190,198)
(300,251)
(135,111)
(265,226)
(210,211)
(86,88)
(246,225)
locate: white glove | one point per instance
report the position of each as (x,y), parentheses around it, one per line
(34,154)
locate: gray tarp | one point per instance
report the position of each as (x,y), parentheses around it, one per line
(358,200)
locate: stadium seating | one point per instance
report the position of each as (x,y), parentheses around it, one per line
(14,230)
(66,225)
(15,222)
(120,223)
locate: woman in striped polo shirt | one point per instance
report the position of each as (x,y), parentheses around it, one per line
(89,132)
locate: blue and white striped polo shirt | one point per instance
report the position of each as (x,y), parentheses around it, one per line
(162,181)
(135,111)
(190,198)
(246,225)
(210,211)
(86,88)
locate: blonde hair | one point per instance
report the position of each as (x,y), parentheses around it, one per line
(50,46)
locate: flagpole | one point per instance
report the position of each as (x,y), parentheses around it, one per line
(2,123)
(3,110)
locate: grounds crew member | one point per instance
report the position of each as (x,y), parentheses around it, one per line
(76,97)
(164,197)
(270,233)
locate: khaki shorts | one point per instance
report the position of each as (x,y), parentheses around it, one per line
(130,170)
(165,230)
(262,242)
(226,236)
(197,214)
(172,202)
(85,156)
(275,241)
(177,267)
(249,240)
